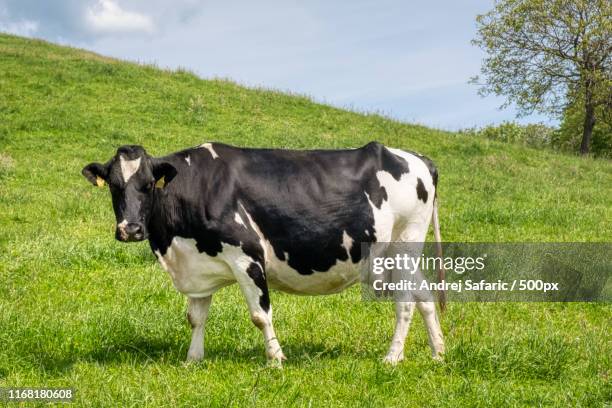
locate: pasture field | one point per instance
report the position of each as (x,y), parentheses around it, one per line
(78,309)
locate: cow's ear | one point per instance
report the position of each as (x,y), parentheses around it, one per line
(96,173)
(163,172)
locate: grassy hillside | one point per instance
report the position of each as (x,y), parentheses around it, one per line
(79,309)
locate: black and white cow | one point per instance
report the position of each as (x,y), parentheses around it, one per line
(270,218)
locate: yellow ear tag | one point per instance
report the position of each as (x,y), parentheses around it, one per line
(100,181)
(160,183)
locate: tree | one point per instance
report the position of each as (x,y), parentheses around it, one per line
(543,53)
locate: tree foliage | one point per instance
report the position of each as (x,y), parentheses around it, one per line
(543,54)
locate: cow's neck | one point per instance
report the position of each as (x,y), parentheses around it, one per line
(172,214)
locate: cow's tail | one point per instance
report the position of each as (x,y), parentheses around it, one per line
(438,238)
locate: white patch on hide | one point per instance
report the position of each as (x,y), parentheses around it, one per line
(209,147)
(193,273)
(347,243)
(239,219)
(128,167)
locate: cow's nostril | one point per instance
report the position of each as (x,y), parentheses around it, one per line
(133,228)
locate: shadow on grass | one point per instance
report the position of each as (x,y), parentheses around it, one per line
(297,354)
(141,351)
(51,364)
(136,350)
(133,351)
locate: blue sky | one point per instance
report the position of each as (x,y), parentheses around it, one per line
(407,59)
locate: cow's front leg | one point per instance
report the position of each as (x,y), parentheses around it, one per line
(197,313)
(255,289)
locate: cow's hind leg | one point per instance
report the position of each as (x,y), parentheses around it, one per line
(255,289)
(434,332)
(403,318)
(197,313)
(414,235)
(404,309)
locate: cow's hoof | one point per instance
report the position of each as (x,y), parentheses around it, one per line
(195,357)
(278,355)
(276,360)
(393,358)
(439,357)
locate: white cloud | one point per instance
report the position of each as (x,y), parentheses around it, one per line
(108,17)
(25,28)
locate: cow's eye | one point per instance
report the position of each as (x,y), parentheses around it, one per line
(149,186)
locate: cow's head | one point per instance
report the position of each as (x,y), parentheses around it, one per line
(133,177)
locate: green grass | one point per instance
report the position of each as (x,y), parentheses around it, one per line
(79,309)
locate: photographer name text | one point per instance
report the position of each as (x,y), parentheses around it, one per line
(468,285)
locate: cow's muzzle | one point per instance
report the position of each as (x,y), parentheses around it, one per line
(130,232)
